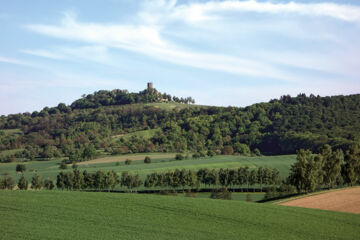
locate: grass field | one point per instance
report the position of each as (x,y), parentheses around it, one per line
(146,134)
(79,215)
(160,162)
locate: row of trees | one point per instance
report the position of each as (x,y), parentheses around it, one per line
(328,168)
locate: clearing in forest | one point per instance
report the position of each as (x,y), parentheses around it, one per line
(346,200)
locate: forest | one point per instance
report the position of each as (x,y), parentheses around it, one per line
(85,128)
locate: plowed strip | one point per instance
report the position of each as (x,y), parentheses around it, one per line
(347,200)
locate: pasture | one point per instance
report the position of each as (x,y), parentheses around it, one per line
(83,215)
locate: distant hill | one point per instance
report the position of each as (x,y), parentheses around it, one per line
(88,126)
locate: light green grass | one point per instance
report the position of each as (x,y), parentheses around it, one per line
(15,131)
(146,134)
(5,153)
(79,215)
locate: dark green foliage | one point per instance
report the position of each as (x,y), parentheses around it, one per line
(130,181)
(179,156)
(23,183)
(279,127)
(20,168)
(351,168)
(36,182)
(147,159)
(63,165)
(128,161)
(221,194)
(7,183)
(48,184)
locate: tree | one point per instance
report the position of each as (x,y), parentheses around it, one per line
(306,173)
(48,184)
(332,165)
(20,167)
(36,182)
(260,177)
(78,179)
(253,178)
(351,169)
(60,181)
(22,183)
(8,183)
(147,159)
(112,179)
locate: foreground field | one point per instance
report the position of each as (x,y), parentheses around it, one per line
(346,200)
(80,215)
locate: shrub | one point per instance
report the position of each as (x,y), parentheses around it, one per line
(7,183)
(179,156)
(23,183)
(228,150)
(20,168)
(48,184)
(147,159)
(63,165)
(221,194)
(196,155)
(36,182)
(257,152)
(128,161)
(74,165)
(211,153)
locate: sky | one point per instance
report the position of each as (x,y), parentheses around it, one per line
(223,53)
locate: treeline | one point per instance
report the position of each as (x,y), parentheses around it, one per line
(330,168)
(171,180)
(278,127)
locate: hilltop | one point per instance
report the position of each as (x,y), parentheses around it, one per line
(119,122)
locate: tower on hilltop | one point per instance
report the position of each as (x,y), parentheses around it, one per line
(149,85)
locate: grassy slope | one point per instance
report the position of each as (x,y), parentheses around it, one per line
(79,215)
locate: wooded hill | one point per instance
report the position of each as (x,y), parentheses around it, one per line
(109,121)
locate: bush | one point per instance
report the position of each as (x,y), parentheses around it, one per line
(196,155)
(74,165)
(221,194)
(228,150)
(20,168)
(190,194)
(128,161)
(211,153)
(147,159)
(7,183)
(63,165)
(257,152)
(117,164)
(179,156)
(48,184)
(23,183)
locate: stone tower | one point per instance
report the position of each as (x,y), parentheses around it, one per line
(150,85)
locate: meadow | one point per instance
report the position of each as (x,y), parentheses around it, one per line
(84,215)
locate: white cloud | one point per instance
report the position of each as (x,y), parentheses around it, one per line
(43,53)
(213,9)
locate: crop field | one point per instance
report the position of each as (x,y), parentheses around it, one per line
(160,162)
(344,200)
(80,215)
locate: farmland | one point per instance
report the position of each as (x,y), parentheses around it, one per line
(80,215)
(345,200)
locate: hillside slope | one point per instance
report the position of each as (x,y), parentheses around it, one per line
(278,127)
(80,215)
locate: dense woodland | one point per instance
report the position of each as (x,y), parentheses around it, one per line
(85,127)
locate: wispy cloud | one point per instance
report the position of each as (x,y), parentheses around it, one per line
(15,61)
(212,10)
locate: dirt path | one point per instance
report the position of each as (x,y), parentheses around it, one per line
(123,158)
(347,200)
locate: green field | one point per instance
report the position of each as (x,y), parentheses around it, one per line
(80,215)
(160,162)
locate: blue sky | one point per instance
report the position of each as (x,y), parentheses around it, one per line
(219,52)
